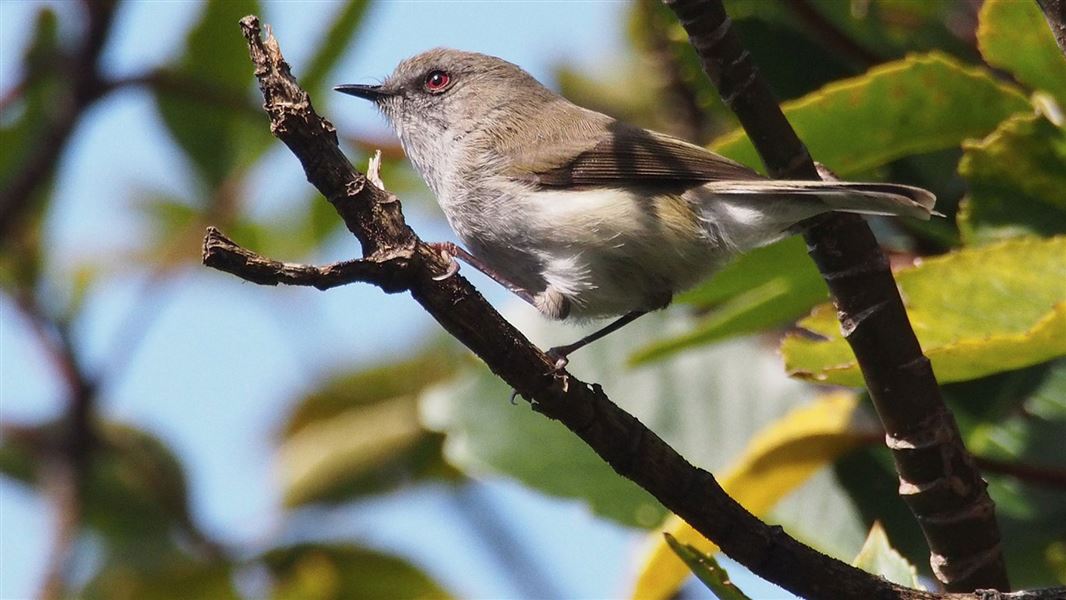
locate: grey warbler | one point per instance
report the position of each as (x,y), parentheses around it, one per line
(579,214)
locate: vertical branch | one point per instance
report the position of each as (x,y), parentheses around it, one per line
(85,86)
(66,468)
(938,479)
(67,464)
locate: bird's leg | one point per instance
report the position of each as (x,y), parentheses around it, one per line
(453,251)
(560,353)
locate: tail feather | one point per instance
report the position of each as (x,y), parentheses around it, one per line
(890,199)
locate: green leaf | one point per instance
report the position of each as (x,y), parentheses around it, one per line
(348,572)
(880,558)
(137,491)
(360,434)
(706,570)
(1028,433)
(707,403)
(187,578)
(976,311)
(767,287)
(919,104)
(136,496)
(373,385)
(1015,37)
(338,39)
(24,126)
(1017,178)
(214,135)
(34,109)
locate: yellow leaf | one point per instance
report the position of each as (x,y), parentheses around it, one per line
(976,311)
(777,461)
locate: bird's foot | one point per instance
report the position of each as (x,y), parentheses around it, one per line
(560,360)
(561,357)
(444,249)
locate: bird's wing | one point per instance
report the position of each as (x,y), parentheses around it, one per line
(623,153)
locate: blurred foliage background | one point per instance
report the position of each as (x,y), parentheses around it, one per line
(962,97)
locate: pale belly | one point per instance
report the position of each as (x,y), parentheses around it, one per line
(602,253)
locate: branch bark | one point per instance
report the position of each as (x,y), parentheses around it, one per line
(376,219)
(938,479)
(1055,13)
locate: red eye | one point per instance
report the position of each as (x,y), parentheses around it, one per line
(436,81)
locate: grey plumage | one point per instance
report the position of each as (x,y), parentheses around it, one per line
(592,216)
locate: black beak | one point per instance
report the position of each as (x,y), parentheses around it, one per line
(367,92)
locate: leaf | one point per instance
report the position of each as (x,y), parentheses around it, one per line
(1017,178)
(706,570)
(880,558)
(372,385)
(1029,432)
(360,434)
(705,403)
(24,131)
(919,104)
(976,311)
(328,572)
(361,451)
(136,496)
(777,461)
(193,579)
(1014,36)
(335,43)
(23,125)
(137,493)
(212,133)
(767,287)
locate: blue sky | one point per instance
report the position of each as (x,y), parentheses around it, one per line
(217,404)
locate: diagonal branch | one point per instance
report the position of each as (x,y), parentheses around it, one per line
(1055,13)
(938,479)
(374,216)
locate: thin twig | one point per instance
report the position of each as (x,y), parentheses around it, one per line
(831,35)
(1024,472)
(221,253)
(1042,475)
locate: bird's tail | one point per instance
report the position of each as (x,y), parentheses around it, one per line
(867,198)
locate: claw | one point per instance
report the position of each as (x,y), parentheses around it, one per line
(453,267)
(560,356)
(514,397)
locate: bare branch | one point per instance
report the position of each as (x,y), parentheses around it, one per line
(225,255)
(938,479)
(628,446)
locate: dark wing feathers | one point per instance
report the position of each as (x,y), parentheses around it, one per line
(624,153)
